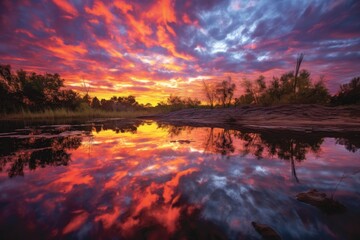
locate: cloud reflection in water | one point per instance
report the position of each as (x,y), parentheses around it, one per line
(148,180)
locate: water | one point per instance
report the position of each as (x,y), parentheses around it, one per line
(145,180)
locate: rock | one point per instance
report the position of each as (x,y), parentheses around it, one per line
(266,232)
(321,201)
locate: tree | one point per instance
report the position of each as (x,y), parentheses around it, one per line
(274,92)
(349,93)
(297,68)
(254,92)
(86,98)
(95,103)
(176,102)
(69,99)
(148,105)
(315,94)
(280,90)
(192,103)
(10,91)
(29,91)
(210,93)
(225,92)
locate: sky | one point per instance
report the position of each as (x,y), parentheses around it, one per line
(151,49)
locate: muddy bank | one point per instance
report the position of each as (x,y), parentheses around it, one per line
(308,118)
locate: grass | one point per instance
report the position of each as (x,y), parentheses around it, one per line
(83,114)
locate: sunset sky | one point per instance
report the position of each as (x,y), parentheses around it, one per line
(152,49)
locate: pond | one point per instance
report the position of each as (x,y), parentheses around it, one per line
(146,180)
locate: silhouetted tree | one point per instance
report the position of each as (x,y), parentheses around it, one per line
(253,92)
(281,90)
(349,93)
(297,68)
(35,92)
(95,103)
(225,92)
(316,93)
(176,102)
(86,99)
(10,91)
(210,93)
(69,99)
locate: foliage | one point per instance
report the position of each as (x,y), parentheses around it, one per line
(117,104)
(176,103)
(34,92)
(224,92)
(281,91)
(253,92)
(24,92)
(95,103)
(349,93)
(209,91)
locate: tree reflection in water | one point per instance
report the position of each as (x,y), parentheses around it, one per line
(174,130)
(352,144)
(219,142)
(33,152)
(147,183)
(49,146)
(290,146)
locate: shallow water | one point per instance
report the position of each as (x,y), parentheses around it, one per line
(145,180)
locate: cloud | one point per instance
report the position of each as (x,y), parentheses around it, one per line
(113,43)
(66,7)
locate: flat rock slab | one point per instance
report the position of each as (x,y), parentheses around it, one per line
(266,232)
(306,117)
(321,201)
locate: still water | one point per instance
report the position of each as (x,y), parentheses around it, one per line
(146,180)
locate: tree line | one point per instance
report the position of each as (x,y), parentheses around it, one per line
(290,88)
(24,91)
(176,103)
(294,87)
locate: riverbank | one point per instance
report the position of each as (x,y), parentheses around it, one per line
(308,118)
(85,114)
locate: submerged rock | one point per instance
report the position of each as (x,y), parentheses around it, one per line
(321,201)
(266,232)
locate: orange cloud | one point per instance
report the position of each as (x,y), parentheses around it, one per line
(166,42)
(76,223)
(100,10)
(163,15)
(64,51)
(67,7)
(108,46)
(186,19)
(123,6)
(173,183)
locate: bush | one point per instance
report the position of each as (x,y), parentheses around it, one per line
(348,94)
